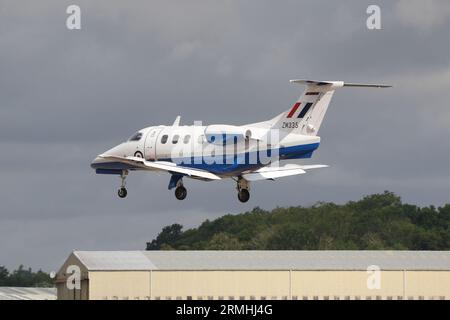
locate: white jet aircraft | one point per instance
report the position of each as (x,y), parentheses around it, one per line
(244,153)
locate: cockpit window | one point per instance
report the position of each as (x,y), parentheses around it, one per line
(136,137)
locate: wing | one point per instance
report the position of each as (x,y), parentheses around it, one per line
(143,164)
(270,173)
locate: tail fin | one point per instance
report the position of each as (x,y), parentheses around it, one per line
(306,115)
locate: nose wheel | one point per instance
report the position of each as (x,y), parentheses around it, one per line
(122,192)
(243,187)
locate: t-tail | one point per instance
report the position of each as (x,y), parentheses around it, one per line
(307,114)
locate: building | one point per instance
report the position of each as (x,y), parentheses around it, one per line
(21,293)
(256,275)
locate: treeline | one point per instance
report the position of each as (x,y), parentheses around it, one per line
(376,222)
(24,278)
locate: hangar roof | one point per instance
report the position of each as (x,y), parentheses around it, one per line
(19,293)
(263,260)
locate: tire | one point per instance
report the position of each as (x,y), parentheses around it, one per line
(122,193)
(180,193)
(243,195)
(138,154)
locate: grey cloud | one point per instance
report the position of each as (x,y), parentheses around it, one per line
(69,95)
(423,15)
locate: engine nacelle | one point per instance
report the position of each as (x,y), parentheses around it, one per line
(220,134)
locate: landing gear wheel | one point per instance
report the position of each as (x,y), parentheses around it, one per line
(243,187)
(122,192)
(180,193)
(243,195)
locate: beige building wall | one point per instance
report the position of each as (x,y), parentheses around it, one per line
(427,284)
(220,284)
(159,284)
(63,292)
(119,285)
(345,285)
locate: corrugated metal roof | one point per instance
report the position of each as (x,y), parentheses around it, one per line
(19,293)
(115,260)
(264,260)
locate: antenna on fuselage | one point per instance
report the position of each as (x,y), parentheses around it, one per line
(176,123)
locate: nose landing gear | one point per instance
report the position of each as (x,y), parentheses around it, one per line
(122,192)
(243,187)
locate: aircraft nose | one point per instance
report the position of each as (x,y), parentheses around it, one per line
(99,162)
(95,162)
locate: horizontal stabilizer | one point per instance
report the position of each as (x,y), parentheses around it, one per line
(338,84)
(366,85)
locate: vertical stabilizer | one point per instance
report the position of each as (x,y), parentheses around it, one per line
(306,115)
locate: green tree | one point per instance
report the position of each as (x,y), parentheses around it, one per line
(376,222)
(24,278)
(3,276)
(223,241)
(168,235)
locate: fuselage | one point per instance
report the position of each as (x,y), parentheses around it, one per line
(220,149)
(246,153)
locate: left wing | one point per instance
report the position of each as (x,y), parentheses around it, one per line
(163,166)
(270,173)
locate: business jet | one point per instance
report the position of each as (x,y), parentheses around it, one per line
(245,153)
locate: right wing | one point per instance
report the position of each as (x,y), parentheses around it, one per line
(164,166)
(271,173)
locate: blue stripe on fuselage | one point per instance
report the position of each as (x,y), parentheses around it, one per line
(241,161)
(231,166)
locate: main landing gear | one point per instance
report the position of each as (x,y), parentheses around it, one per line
(180,192)
(243,187)
(176,181)
(122,192)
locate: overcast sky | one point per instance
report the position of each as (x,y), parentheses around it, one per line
(67,96)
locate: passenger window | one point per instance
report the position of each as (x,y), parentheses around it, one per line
(175,138)
(164,138)
(186,139)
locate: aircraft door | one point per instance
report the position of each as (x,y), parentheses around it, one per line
(150,144)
